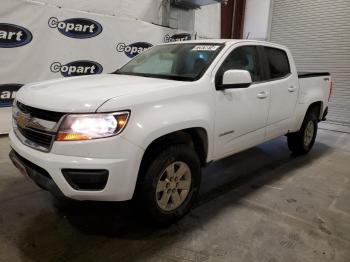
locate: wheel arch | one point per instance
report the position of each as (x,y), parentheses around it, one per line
(303,109)
(196,137)
(316,107)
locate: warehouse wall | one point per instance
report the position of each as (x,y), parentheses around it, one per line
(318,34)
(145,10)
(256,19)
(204,21)
(207,21)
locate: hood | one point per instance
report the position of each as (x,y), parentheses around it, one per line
(87,93)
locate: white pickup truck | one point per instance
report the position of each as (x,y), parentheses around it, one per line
(144,131)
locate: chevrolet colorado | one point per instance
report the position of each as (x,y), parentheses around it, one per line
(144,131)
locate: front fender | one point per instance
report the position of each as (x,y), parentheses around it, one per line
(166,110)
(153,121)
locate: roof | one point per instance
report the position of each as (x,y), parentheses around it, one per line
(227,41)
(209,41)
(222,41)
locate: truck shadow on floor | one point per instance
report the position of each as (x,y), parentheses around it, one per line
(110,228)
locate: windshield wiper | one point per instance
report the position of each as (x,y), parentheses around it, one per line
(176,77)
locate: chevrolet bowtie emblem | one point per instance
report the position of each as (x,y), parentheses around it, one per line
(23,120)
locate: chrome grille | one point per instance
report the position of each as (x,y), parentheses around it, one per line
(40,113)
(41,139)
(35,127)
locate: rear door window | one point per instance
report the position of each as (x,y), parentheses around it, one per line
(278,63)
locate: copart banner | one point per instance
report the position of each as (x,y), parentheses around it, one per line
(42,41)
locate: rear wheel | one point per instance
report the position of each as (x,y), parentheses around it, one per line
(302,141)
(170,184)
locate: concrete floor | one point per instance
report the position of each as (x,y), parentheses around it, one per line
(260,205)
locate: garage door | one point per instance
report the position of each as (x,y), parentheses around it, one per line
(318,34)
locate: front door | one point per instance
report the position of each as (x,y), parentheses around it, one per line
(241,113)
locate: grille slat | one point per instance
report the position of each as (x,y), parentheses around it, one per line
(38,136)
(40,139)
(40,113)
(35,137)
(43,140)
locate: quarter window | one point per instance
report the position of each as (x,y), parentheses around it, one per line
(278,63)
(243,58)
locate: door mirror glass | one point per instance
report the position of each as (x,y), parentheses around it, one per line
(236,79)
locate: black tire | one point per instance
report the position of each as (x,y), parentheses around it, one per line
(146,195)
(296,140)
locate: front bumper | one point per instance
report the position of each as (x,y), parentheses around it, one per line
(36,173)
(123,163)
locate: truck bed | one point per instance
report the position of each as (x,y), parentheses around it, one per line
(315,84)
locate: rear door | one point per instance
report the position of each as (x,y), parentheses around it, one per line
(241,113)
(284,90)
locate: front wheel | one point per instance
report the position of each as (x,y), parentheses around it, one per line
(302,141)
(170,184)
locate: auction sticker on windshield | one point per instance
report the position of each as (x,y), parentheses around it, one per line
(205,47)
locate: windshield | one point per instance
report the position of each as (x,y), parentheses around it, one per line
(185,62)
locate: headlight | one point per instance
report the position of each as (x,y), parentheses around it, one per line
(92,126)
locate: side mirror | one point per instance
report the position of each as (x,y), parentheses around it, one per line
(236,79)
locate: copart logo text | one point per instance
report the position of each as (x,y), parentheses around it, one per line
(14,36)
(134,49)
(177,37)
(77,68)
(8,93)
(76,27)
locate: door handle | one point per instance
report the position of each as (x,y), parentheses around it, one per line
(262,94)
(292,89)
